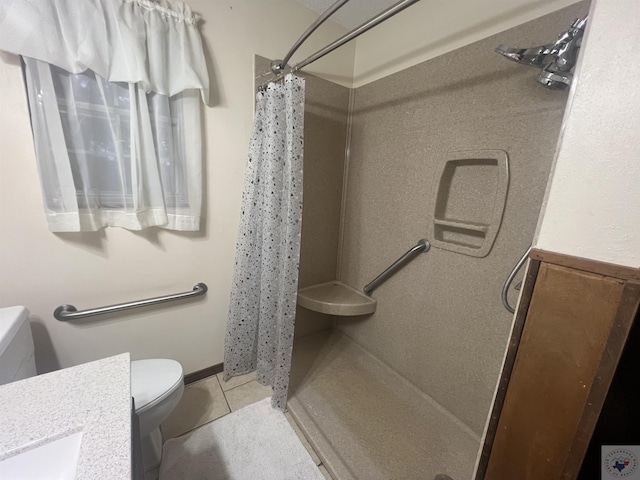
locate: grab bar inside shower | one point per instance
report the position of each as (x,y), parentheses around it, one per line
(69,312)
(509,281)
(423,246)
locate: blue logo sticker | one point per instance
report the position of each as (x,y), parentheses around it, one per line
(620,462)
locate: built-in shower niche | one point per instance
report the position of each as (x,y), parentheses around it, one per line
(470,201)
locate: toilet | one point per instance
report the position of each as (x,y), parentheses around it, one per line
(156,384)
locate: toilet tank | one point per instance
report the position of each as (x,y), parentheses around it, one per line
(16,345)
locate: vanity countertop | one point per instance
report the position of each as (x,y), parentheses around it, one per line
(94,398)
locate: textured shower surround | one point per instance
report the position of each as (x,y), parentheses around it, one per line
(440,322)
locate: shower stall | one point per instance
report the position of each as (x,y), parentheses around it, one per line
(456,150)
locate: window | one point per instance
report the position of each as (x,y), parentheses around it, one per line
(114,90)
(111,154)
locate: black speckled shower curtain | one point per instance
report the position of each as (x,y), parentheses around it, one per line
(263,295)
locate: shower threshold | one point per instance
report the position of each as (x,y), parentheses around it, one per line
(367,422)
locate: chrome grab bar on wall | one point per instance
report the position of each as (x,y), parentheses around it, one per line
(69,312)
(509,281)
(423,246)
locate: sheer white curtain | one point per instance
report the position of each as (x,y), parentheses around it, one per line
(114,91)
(110,154)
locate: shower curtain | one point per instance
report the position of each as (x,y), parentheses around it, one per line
(263,295)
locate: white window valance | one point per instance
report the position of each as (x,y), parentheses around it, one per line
(114,90)
(154,44)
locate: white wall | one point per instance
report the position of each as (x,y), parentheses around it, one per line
(42,270)
(433,27)
(592,206)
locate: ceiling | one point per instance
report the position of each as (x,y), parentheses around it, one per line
(353,13)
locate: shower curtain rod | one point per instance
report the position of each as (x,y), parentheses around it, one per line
(278,67)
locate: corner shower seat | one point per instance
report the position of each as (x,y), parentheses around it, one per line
(336,298)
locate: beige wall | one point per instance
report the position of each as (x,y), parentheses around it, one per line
(439,321)
(325,136)
(42,270)
(593,204)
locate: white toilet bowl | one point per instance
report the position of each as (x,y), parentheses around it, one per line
(156,385)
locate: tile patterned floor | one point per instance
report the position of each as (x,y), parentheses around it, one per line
(211,398)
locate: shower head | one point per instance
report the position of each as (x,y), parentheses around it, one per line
(556,59)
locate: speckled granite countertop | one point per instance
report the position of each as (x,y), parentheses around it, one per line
(94,398)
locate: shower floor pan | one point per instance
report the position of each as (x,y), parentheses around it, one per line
(367,422)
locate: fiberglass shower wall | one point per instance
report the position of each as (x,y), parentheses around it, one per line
(440,322)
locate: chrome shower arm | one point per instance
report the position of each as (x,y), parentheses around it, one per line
(556,59)
(565,50)
(562,49)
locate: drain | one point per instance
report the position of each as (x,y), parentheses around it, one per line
(442,477)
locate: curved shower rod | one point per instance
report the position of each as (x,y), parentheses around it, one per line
(278,67)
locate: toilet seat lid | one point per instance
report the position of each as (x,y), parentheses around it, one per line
(154,379)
